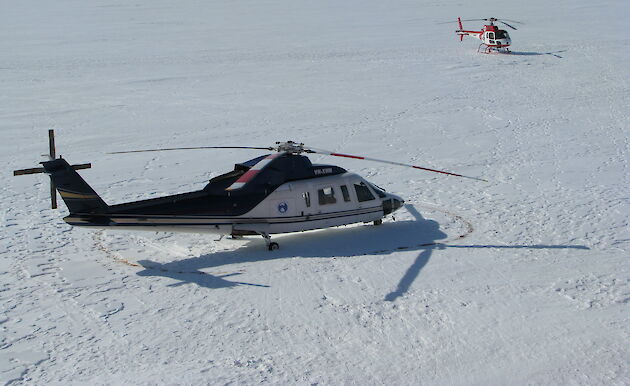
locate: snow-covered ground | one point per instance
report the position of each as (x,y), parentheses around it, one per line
(524,279)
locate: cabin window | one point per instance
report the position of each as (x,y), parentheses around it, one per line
(326,196)
(345,193)
(363,192)
(491,35)
(307,199)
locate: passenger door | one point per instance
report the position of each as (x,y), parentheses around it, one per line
(490,37)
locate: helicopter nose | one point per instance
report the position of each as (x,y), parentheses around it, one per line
(392,204)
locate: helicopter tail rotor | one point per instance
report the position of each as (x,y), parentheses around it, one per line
(51,156)
(461,28)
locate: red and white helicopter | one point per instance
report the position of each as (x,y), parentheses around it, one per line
(492,38)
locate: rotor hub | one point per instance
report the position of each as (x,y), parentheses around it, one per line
(290,147)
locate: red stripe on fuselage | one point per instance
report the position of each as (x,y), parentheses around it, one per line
(248,175)
(255,169)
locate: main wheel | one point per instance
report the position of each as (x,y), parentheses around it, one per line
(273,246)
(378,222)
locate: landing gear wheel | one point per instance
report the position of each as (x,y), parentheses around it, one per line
(270,245)
(378,222)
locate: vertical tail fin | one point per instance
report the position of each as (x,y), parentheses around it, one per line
(75,192)
(461,28)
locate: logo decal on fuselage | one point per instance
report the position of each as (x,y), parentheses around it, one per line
(319,172)
(283,207)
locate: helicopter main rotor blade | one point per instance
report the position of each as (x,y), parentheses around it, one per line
(327,152)
(514,28)
(448,22)
(192,148)
(290,147)
(493,19)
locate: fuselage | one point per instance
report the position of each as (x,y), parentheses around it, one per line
(490,36)
(317,196)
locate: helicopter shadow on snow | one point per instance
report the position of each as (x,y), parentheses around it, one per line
(530,53)
(427,250)
(331,243)
(420,234)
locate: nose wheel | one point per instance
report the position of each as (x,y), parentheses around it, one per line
(271,245)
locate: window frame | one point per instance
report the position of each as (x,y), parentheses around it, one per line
(345,193)
(361,196)
(307,199)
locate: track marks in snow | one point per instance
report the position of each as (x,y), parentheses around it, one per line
(48,289)
(595,291)
(523,301)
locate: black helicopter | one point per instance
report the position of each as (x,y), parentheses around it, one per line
(273,193)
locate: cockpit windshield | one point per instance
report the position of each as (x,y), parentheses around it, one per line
(501,34)
(379,191)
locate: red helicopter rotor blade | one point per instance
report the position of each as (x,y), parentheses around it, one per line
(327,152)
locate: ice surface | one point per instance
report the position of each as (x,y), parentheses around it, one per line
(520,280)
